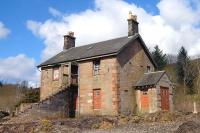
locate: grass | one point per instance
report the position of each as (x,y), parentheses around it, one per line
(9,95)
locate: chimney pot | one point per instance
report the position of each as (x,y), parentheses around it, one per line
(132,24)
(71,33)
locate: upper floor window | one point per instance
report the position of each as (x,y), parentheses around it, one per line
(96,67)
(56,73)
(148,69)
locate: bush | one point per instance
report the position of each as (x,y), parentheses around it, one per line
(30,96)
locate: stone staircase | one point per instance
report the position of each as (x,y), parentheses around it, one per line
(54,104)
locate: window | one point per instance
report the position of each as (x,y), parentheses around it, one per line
(55,73)
(148,69)
(96,67)
(144,92)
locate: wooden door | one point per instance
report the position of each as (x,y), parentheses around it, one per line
(164,93)
(97,98)
(144,100)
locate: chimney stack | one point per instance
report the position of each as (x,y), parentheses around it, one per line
(69,40)
(132,24)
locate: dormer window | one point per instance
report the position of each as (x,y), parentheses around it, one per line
(96,67)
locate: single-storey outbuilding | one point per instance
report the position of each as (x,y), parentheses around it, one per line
(154,92)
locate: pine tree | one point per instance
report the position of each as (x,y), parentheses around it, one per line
(159,58)
(182,64)
(185,71)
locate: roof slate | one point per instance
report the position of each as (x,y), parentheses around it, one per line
(109,47)
(151,78)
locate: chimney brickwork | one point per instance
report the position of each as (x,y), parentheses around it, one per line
(132,24)
(69,41)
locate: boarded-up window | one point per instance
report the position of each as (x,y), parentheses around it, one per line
(97,98)
(144,100)
(96,67)
(55,73)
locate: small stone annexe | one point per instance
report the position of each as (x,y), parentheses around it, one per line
(106,78)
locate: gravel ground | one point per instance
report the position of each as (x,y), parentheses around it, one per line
(141,128)
(153,123)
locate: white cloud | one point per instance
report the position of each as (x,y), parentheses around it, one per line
(54,12)
(175,25)
(179,12)
(19,68)
(3,31)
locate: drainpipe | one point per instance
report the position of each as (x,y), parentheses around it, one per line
(78,113)
(40,80)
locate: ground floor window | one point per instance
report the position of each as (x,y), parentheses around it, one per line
(96,98)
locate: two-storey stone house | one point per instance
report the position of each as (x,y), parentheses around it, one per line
(105,78)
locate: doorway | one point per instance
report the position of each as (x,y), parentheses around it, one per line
(164,93)
(73,100)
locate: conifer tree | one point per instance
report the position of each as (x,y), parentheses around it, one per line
(185,71)
(159,58)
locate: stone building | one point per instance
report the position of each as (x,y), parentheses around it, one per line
(104,78)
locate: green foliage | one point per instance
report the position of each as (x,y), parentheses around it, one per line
(159,57)
(185,70)
(182,64)
(31,96)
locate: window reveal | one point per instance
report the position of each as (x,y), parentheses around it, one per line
(55,73)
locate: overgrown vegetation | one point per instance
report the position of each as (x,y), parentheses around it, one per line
(30,96)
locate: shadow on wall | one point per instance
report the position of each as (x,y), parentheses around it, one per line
(126,55)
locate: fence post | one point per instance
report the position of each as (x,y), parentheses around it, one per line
(195,108)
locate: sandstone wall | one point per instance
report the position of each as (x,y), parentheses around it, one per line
(50,86)
(133,63)
(107,81)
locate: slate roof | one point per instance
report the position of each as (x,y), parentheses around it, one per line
(104,48)
(151,78)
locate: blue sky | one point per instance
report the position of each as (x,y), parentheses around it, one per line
(32,31)
(15,13)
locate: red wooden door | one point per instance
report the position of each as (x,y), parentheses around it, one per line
(144,100)
(97,98)
(164,93)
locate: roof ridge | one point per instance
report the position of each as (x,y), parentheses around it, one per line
(98,42)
